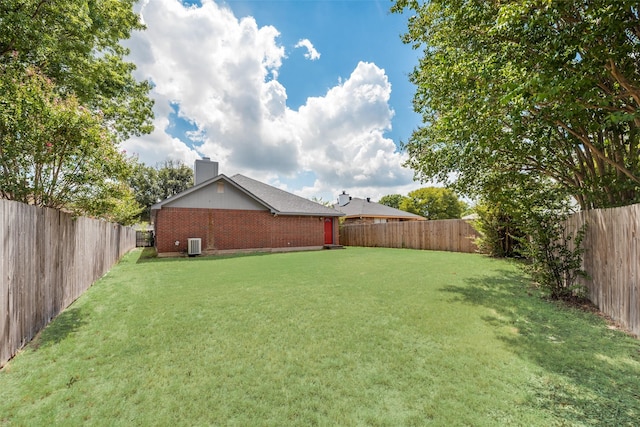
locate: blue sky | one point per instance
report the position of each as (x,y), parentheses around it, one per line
(310,96)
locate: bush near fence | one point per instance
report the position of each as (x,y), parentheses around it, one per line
(612,261)
(48,259)
(453,235)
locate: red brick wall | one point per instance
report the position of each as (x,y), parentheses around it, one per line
(224,229)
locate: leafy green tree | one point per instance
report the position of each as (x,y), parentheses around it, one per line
(433,203)
(67,98)
(528,103)
(53,152)
(392,200)
(144,184)
(173,177)
(499,234)
(76,44)
(115,203)
(514,90)
(151,185)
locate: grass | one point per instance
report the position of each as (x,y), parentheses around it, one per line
(380,337)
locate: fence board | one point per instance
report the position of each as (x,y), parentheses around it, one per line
(47,260)
(451,235)
(611,259)
(4,287)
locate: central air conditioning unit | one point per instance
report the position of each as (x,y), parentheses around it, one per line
(194,246)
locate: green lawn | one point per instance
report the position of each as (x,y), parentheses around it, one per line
(362,336)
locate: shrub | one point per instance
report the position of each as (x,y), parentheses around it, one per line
(529,221)
(499,235)
(554,254)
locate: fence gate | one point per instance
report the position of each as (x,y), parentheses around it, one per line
(144,239)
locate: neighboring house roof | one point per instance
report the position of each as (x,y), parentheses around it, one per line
(279,202)
(360,208)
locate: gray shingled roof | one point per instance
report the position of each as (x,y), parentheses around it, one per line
(282,202)
(278,201)
(360,208)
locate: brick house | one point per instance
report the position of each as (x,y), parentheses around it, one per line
(364,211)
(239,213)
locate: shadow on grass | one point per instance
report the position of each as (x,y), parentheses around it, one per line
(60,328)
(147,254)
(150,255)
(591,373)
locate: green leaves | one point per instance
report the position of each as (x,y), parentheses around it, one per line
(53,152)
(391,200)
(519,86)
(67,97)
(433,203)
(151,185)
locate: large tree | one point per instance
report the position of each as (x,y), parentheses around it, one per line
(154,184)
(67,98)
(76,44)
(433,203)
(392,200)
(173,177)
(517,91)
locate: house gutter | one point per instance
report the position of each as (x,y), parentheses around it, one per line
(276,213)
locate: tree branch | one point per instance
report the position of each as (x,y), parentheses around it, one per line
(599,154)
(634,91)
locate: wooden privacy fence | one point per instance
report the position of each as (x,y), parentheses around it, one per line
(612,260)
(47,260)
(453,235)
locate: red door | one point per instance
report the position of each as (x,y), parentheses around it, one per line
(328,231)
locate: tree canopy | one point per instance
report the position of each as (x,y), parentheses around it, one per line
(76,44)
(67,99)
(528,91)
(433,203)
(154,184)
(173,177)
(392,200)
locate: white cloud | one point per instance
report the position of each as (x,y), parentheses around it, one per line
(341,133)
(312,53)
(222,72)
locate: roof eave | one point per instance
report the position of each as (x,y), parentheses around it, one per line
(337,214)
